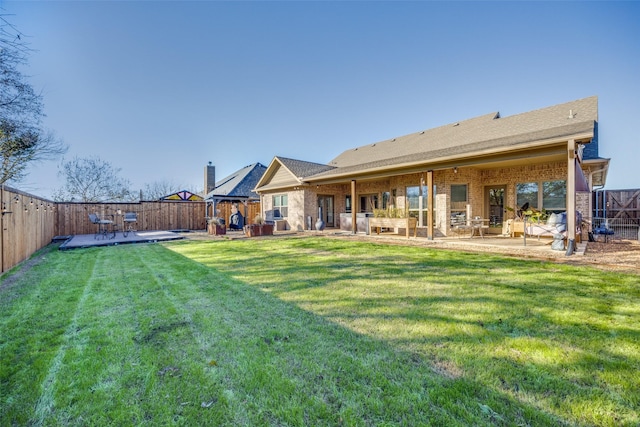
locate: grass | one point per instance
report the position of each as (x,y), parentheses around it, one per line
(316,331)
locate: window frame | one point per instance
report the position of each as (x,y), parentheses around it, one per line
(416,212)
(542,194)
(459,205)
(278,206)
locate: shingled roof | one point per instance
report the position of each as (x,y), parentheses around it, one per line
(482,135)
(302,169)
(285,172)
(239,184)
(487,130)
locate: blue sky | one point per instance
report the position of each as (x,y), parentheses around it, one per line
(160,88)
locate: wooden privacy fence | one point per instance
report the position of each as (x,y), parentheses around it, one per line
(623,204)
(73,218)
(28,224)
(248,211)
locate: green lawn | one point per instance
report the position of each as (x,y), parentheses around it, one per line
(315,331)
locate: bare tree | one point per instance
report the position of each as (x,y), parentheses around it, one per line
(159,189)
(92,180)
(22,138)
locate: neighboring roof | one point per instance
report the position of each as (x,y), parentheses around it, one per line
(240,184)
(182,195)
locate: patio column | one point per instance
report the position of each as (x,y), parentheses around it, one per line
(420,202)
(571,193)
(430,205)
(354,217)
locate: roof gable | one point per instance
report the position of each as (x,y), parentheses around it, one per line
(183,195)
(284,172)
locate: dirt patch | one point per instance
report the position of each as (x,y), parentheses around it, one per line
(622,255)
(9,279)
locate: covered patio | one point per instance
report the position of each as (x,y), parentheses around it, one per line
(473,176)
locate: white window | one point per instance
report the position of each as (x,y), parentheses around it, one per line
(417,202)
(280,206)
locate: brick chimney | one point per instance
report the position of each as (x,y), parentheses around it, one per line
(209,178)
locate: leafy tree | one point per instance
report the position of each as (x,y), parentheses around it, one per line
(20,146)
(92,180)
(22,138)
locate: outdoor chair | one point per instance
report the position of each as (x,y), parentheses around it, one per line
(128,219)
(102,225)
(459,225)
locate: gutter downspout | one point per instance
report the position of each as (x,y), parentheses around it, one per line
(591,173)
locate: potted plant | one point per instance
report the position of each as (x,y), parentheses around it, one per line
(266,228)
(216,226)
(258,228)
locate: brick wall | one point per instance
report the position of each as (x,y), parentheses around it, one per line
(303,201)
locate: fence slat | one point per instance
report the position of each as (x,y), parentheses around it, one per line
(73,218)
(28,224)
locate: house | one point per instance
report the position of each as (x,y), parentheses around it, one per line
(486,166)
(233,191)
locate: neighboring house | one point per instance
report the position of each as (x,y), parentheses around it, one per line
(237,190)
(183,195)
(486,166)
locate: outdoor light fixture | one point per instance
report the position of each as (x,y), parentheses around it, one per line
(455,169)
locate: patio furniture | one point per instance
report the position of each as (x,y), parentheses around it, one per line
(103,226)
(459,225)
(604,230)
(395,223)
(128,219)
(479,225)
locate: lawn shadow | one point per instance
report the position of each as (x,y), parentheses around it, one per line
(495,316)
